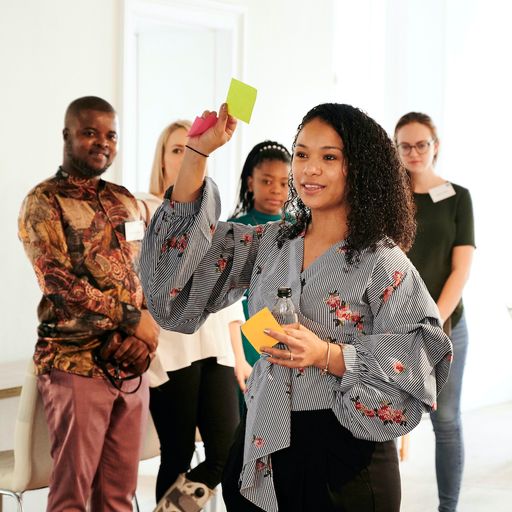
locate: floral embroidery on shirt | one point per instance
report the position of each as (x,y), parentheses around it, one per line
(258,230)
(398,367)
(174,292)
(221,264)
(342,312)
(246,239)
(358,321)
(212,229)
(262,466)
(397,279)
(258,441)
(449,357)
(385,412)
(300,372)
(178,243)
(258,270)
(342,249)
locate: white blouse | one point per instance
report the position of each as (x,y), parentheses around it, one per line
(177,350)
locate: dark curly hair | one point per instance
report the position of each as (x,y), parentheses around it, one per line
(266,150)
(381,207)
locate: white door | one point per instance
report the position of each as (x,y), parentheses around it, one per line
(178,62)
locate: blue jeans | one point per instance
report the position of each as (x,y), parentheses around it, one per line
(447,424)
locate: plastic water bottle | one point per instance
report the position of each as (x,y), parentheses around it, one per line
(284,310)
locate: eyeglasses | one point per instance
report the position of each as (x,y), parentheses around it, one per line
(421,147)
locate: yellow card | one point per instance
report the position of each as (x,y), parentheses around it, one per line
(253,329)
(241,99)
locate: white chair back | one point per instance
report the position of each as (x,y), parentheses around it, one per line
(150,444)
(32,459)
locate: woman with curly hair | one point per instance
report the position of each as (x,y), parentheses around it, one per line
(325,402)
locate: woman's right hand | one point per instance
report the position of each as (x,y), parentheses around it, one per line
(216,136)
(193,167)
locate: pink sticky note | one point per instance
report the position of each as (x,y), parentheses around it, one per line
(200,125)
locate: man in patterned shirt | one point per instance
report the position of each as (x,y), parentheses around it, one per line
(82,236)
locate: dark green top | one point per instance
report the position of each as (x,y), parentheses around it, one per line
(253,218)
(441,227)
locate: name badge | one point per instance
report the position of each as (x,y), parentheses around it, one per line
(441,192)
(134,230)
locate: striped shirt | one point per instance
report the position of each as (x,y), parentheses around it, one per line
(396,354)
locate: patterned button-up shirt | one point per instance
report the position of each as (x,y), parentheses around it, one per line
(396,353)
(73,231)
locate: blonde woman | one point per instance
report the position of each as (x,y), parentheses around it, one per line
(201,387)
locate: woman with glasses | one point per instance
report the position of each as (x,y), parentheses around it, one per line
(442,253)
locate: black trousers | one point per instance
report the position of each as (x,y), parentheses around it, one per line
(325,469)
(203,395)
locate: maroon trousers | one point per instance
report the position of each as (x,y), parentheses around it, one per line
(95,434)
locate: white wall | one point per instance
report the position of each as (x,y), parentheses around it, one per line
(54,51)
(477,114)
(51,52)
(289,61)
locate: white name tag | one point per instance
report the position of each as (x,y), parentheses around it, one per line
(134,230)
(441,192)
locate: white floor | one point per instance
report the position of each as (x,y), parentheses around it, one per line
(487,483)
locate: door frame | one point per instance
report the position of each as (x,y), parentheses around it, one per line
(140,15)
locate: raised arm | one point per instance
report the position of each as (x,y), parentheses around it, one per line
(192,265)
(193,167)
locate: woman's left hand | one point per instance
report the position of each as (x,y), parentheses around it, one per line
(305,348)
(242,372)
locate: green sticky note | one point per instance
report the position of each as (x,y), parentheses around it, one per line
(241,99)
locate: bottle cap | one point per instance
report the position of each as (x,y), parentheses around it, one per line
(284,292)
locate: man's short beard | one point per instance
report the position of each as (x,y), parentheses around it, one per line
(81,165)
(86,171)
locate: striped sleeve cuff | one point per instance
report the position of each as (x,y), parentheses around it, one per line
(350,356)
(181,209)
(351,375)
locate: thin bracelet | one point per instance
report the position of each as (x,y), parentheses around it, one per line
(325,370)
(196,151)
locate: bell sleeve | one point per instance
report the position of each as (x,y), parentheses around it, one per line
(192,264)
(395,372)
